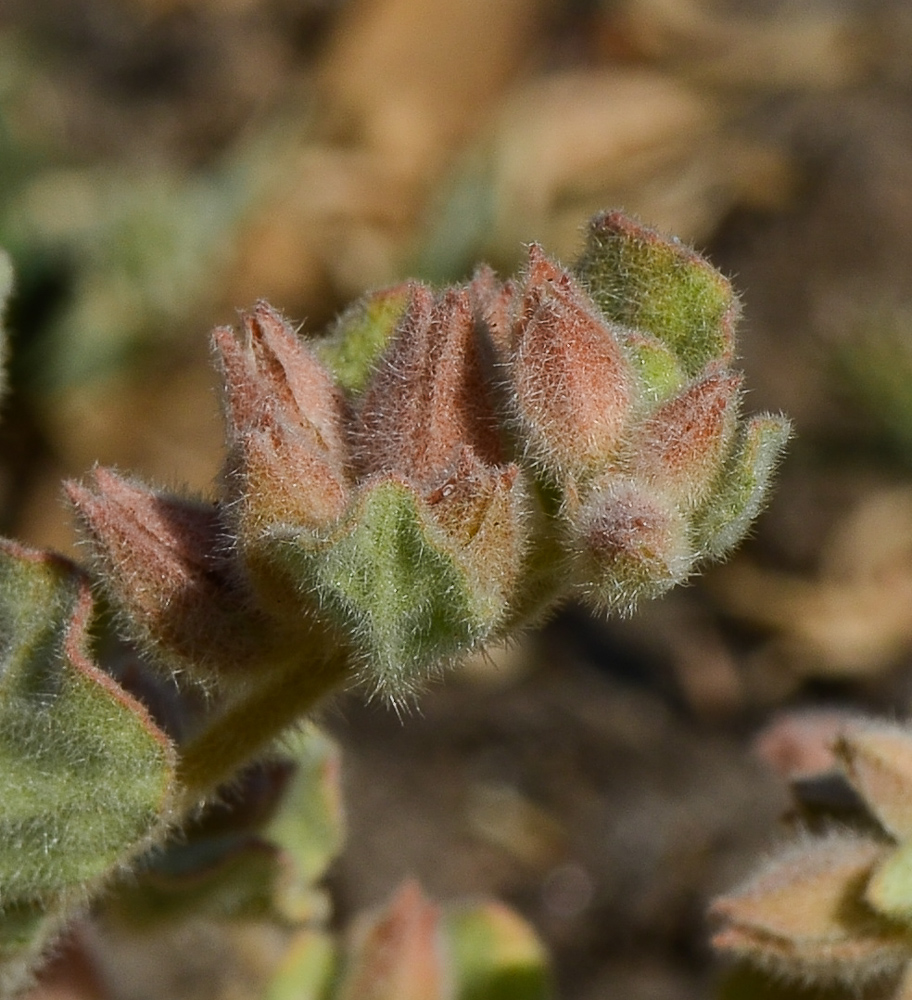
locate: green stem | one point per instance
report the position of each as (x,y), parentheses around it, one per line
(248,725)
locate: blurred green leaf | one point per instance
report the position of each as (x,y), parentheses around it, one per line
(306,970)
(497,956)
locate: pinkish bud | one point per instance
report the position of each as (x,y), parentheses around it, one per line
(282,484)
(574,387)
(430,394)
(281,373)
(681,447)
(633,543)
(801,743)
(160,561)
(399,955)
(287,429)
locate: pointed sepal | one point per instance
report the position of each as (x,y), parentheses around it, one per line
(743,487)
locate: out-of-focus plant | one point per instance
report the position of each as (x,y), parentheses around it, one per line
(832,911)
(438,472)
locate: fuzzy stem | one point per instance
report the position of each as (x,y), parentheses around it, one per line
(248,725)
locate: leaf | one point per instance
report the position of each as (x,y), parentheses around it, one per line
(306,969)
(254,853)
(85,774)
(496,956)
(232,879)
(309,824)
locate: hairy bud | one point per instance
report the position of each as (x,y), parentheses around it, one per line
(429,395)
(573,385)
(399,954)
(286,423)
(633,543)
(680,448)
(159,558)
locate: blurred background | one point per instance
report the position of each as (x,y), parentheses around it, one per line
(164,163)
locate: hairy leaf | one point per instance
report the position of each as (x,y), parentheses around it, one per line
(85,774)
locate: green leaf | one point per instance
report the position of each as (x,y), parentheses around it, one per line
(309,824)
(661,286)
(238,881)
(254,853)
(306,970)
(85,775)
(496,956)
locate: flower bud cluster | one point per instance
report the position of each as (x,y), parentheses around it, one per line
(445,466)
